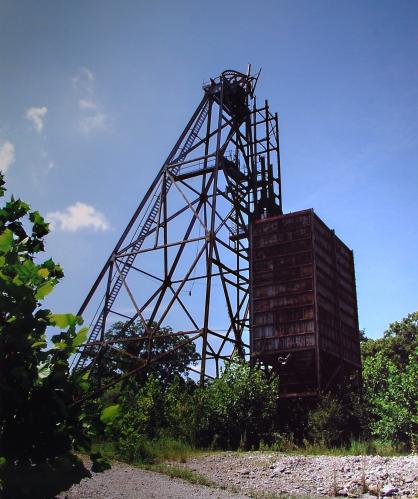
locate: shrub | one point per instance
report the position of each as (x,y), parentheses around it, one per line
(327,423)
(239,409)
(38,421)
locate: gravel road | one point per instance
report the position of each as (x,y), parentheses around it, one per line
(278,474)
(261,475)
(127,482)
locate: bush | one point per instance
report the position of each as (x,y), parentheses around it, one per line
(239,409)
(390,379)
(327,423)
(391,394)
(39,425)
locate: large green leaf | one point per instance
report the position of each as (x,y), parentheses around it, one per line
(39,344)
(80,337)
(61,345)
(6,241)
(44,290)
(44,370)
(110,413)
(63,320)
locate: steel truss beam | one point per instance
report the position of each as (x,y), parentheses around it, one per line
(183,257)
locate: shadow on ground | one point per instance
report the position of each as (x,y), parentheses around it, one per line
(43,481)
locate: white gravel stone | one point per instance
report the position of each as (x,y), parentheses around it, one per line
(314,475)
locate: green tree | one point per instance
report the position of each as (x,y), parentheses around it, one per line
(143,416)
(399,341)
(174,364)
(390,378)
(37,419)
(391,393)
(239,408)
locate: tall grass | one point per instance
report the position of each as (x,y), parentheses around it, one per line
(167,449)
(286,445)
(180,472)
(146,451)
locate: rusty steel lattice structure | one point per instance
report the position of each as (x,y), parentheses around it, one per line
(183,257)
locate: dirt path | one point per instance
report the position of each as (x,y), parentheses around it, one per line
(127,482)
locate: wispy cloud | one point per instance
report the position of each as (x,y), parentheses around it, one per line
(78,216)
(7,156)
(86,104)
(92,113)
(36,115)
(85,80)
(92,122)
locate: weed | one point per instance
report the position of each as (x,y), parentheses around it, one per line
(363,476)
(179,472)
(149,451)
(334,491)
(355,448)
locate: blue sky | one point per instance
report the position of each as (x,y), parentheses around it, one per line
(94,94)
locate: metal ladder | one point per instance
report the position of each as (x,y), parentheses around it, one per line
(88,352)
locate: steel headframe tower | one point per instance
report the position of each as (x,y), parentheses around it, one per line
(183,258)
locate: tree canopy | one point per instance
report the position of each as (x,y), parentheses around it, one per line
(131,346)
(390,375)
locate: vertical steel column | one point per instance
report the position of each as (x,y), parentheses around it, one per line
(211,236)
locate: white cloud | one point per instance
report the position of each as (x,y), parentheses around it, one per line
(84,80)
(37,115)
(76,217)
(7,156)
(86,104)
(92,122)
(92,114)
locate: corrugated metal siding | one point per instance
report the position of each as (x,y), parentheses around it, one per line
(302,288)
(336,295)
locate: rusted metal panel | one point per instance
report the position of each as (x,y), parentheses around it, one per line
(303,299)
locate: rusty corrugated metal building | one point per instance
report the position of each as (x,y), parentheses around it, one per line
(304,319)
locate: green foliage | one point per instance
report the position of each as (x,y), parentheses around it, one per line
(37,419)
(399,341)
(109,413)
(142,418)
(386,408)
(172,365)
(390,375)
(328,422)
(392,395)
(239,408)
(182,473)
(180,410)
(236,410)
